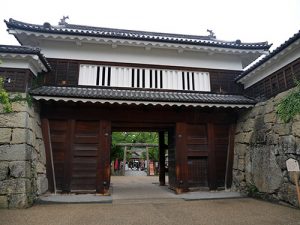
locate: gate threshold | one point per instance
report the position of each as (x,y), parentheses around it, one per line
(210,195)
(73,199)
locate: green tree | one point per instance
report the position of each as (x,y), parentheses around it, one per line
(133,137)
(289,106)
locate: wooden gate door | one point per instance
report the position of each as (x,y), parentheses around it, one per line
(197,153)
(81,155)
(84,156)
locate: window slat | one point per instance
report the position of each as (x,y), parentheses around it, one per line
(117,76)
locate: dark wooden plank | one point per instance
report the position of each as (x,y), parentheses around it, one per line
(212,181)
(103,159)
(181,158)
(69,155)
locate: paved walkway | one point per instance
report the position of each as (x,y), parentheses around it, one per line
(207,212)
(140,200)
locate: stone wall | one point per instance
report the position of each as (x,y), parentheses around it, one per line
(22,157)
(263,143)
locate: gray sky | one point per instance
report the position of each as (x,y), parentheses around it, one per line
(248,20)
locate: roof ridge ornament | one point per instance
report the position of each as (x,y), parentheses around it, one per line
(62,21)
(211,33)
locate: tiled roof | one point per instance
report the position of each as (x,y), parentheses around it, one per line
(269,56)
(25,50)
(72,29)
(141,95)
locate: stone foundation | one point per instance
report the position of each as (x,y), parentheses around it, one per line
(263,143)
(22,157)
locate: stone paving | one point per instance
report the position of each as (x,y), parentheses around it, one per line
(141,201)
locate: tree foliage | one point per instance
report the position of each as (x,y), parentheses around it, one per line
(289,106)
(133,137)
(4,98)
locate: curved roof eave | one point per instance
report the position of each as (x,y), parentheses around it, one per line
(275,52)
(88,31)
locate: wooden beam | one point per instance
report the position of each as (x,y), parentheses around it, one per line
(212,173)
(68,156)
(49,159)
(137,145)
(230,154)
(181,158)
(162,159)
(103,158)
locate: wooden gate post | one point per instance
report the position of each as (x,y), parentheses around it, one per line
(147,155)
(124,160)
(162,158)
(181,159)
(103,159)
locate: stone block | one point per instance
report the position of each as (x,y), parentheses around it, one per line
(5,135)
(240,149)
(31,123)
(267,175)
(288,144)
(19,152)
(261,104)
(281,161)
(241,164)
(288,193)
(15,186)
(19,136)
(269,107)
(270,118)
(40,168)
(282,129)
(3,202)
(235,162)
(38,131)
(256,111)
(239,127)
(20,106)
(272,139)
(249,125)
(14,120)
(3,170)
(18,201)
(42,184)
(280,96)
(20,169)
(296,128)
(247,137)
(239,138)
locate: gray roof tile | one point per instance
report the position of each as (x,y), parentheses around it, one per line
(25,50)
(140,95)
(73,29)
(276,51)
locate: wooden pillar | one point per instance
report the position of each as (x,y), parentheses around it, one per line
(49,158)
(124,160)
(212,173)
(103,159)
(230,153)
(181,158)
(162,158)
(147,158)
(68,151)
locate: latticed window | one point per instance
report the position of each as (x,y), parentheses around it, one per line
(115,76)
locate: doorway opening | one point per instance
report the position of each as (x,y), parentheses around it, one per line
(139,164)
(138,153)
